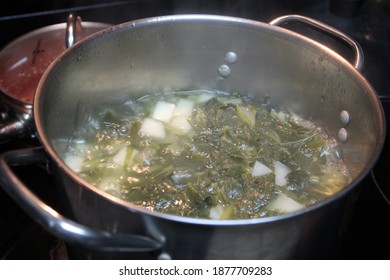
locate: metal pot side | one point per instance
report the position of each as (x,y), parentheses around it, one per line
(185,52)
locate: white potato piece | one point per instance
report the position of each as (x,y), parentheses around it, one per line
(163,111)
(216,212)
(152,128)
(284,204)
(220,212)
(74,162)
(184,107)
(281,171)
(119,158)
(259,169)
(181,124)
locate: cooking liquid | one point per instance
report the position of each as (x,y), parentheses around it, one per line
(207,154)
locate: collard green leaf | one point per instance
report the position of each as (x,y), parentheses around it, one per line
(207,172)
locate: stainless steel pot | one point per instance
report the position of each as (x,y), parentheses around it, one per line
(22,64)
(185,52)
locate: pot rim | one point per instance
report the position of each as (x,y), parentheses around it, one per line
(248,23)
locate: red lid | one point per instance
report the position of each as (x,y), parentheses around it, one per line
(24,60)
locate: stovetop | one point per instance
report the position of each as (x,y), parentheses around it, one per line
(368,234)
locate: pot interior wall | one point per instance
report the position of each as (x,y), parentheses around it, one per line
(166,54)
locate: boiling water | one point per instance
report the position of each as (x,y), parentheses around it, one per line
(207,154)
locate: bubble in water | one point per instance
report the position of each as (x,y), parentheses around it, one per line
(113,133)
(112,186)
(343,134)
(224,70)
(123,130)
(344,117)
(230,57)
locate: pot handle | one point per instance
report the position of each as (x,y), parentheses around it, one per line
(72,23)
(54,222)
(317,25)
(12,129)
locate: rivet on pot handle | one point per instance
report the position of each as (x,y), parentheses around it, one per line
(54,222)
(358,52)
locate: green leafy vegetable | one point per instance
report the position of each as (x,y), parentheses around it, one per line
(207,154)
